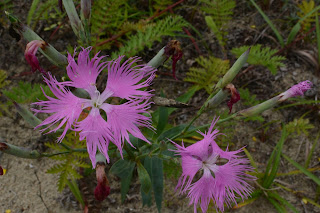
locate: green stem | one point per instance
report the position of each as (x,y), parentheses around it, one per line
(31,154)
(19,151)
(48,51)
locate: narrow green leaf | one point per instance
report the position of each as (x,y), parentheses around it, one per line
(266,18)
(147,196)
(124,170)
(172,132)
(157,180)
(273,163)
(214,28)
(296,28)
(304,170)
(250,158)
(32,10)
(144,178)
(75,191)
(282,200)
(314,145)
(27,115)
(163,120)
(278,207)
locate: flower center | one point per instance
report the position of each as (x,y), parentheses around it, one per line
(97,100)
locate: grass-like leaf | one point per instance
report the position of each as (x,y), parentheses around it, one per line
(304,170)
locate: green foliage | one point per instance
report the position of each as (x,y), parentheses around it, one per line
(248,99)
(161,4)
(153,32)
(5,5)
(3,79)
(26,92)
(70,160)
(299,126)
(274,161)
(172,168)
(261,56)
(47,10)
(306,7)
(208,74)
(107,17)
(220,12)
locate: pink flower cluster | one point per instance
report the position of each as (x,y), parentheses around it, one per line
(222,184)
(125,81)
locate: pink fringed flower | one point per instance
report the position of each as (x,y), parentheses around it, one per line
(222,184)
(296,90)
(124,81)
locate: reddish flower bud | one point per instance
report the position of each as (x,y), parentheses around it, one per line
(235,96)
(30,55)
(173,49)
(1,171)
(103,189)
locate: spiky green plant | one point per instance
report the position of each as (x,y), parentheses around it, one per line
(299,126)
(71,155)
(26,92)
(208,73)
(259,55)
(168,26)
(306,7)
(220,13)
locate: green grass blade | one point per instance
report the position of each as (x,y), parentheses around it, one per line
(294,31)
(314,145)
(304,170)
(33,8)
(75,191)
(273,163)
(252,162)
(283,201)
(277,205)
(266,18)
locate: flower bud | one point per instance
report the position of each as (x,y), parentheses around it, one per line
(235,96)
(173,49)
(1,171)
(102,190)
(296,90)
(30,55)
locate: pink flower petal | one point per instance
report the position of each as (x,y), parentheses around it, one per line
(125,81)
(84,72)
(66,108)
(97,134)
(125,118)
